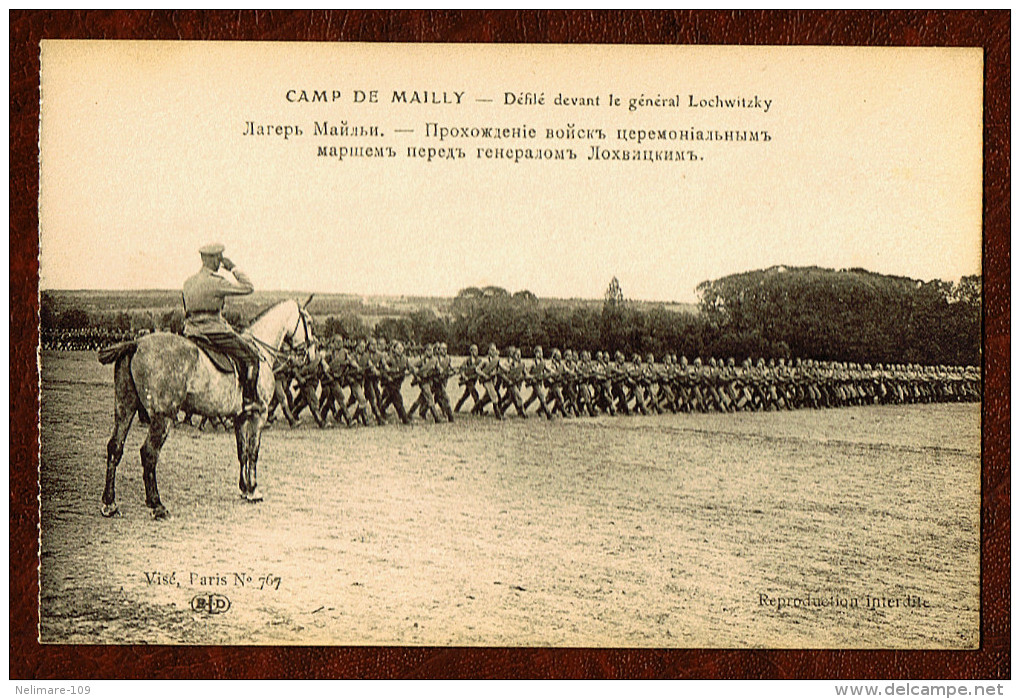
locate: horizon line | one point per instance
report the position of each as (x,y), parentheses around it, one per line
(348,293)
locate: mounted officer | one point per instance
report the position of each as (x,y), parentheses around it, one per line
(204,294)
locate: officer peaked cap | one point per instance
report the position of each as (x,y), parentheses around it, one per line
(214,249)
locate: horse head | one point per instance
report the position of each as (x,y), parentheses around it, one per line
(302,337)
(286,323)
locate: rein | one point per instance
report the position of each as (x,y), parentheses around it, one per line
(275,353)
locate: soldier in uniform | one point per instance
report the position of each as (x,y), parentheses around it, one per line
(425,376)
(488,371)
(619,379)
(637,381)
(568,383)
(332,378)
(665,374)
(535,378)
(513,377)
(585,376)
(394,368)
(555,376)
(307,376)
(283,373)
(370,364)
(355,374)
(204,295)
(603,386)
(469,378)
(443,373)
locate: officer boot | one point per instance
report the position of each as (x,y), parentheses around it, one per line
(249,389)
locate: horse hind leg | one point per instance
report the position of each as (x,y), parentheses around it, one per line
(126,404)
(159,428)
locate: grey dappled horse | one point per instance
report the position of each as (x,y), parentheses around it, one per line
(161,374)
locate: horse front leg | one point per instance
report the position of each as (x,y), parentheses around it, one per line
(239,436)
(252,434)
(159,428)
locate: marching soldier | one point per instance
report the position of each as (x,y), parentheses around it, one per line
(393,370)
(618,377)
(307,377)
(585,394)
(469,378)
(283,374)
(443,373)
(554,382)
(355,375)
(334,367)
(513,377)
(536,377)
(370,364)
(424,377)
(488,371)
(603,383)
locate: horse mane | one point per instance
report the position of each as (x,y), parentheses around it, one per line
(266,310)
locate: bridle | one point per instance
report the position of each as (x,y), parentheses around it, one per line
(302,323)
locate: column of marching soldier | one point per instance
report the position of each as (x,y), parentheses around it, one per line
(359,384)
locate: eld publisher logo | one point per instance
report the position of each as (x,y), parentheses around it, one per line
(210,603)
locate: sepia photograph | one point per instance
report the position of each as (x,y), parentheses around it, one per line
(481,345)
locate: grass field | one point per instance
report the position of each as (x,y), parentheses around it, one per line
(663,531)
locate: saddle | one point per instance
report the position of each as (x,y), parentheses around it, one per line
(223,362)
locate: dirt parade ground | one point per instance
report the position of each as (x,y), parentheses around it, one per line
(847,527)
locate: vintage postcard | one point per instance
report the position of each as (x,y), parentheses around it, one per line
(510,345)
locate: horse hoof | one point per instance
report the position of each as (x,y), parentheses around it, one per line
(254,496)
(160,512)
(110,510)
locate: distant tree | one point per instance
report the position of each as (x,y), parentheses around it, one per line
(847,315)
(495,292)
(426,327)
(525,297)
(968,291)
(615,333)
(349,325)
(614,294)
(394,329)
(466,301)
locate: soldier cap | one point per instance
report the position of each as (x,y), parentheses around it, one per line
(212,249)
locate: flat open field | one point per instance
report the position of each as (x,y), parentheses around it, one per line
(664,531)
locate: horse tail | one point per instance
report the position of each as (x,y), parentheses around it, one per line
(110,354)
(124,382)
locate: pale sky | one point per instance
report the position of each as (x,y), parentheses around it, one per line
(874,162)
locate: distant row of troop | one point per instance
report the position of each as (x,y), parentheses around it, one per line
(359,385)
(82,339)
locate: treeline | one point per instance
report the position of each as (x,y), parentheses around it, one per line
(845,315)
(809,312)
